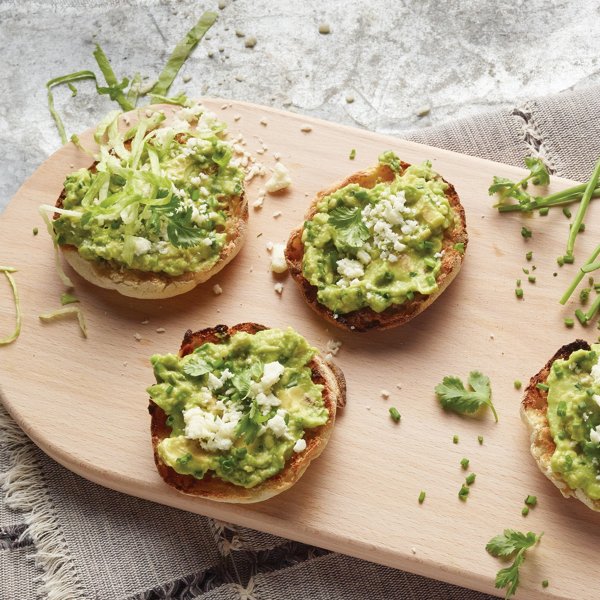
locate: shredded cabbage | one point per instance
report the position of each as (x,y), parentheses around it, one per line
(13,286)
(66,312)
(181,53)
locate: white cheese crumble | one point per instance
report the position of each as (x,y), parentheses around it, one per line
(279,180)
(141,246)
(595,373)
(217,289)
(212,432)
(277,424)
(278,264)
(384,394)
(595,435)
(333,347)
(278,287)
(272,373)
(350,270)
(300,445)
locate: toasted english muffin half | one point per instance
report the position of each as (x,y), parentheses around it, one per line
(169,214)
(367,319)
(534,413)
(211,486)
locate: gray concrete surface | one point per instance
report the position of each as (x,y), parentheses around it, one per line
(392,57)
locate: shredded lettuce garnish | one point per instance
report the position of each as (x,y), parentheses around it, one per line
(118,91)
(68,311)
(13,286)
(181,52)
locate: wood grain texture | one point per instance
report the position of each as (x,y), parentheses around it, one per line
(84,401)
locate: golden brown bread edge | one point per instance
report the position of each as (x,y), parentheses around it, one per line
(213,488)
(149,285)
(534,409)
(367,319)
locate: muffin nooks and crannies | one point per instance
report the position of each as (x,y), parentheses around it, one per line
(161,210)
(378,248)
(240,412)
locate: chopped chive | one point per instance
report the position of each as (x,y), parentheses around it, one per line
(395,414)
(569,322)
(584,295)
(464,463)
(519,292)
(560,261)
(410,295)
(463,493)
(421,497)
(529,255)
(517,383)
(525,511)
(566,212)
(35,231)
(531,279)
(591,282)
(518,283)
(561,409)
(544,211)
(569,259)
(581,316)
(352,154)
(470,479)
(525,232)
(480,439)
(459,247)
(531,500)
(526,271)
(455,439)
(545,583)
(542,386)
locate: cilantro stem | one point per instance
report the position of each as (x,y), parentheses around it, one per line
(567,196)
(593,309)
(586,268)
(583,206)
(491,405)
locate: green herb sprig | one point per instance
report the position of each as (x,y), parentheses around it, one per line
(454,396)
(511,545)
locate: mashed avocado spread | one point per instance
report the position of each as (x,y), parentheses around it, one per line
(158,197)
(376,247)
(574,417)
(238,409)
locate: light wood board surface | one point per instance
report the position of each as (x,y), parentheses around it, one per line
(84,401)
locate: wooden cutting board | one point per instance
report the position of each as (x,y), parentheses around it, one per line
(84,401)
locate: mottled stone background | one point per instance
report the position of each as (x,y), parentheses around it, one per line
(394,58)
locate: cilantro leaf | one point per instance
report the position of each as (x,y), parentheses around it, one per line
(181,231)
(241,382)
(453,395)
(538,171)
(508,544)
(349,223)
(196,367)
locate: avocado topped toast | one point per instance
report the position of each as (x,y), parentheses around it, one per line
(378,248)
(162,208)
(241,412)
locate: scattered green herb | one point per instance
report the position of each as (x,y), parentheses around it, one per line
(455,439)
(68,299)
(517,383)
(511,544)
(422,497)
(395,414)
(542,387)
(350,225)
(352,154)
(463,492)
(531,500)
(569,322)
(566,212)
(525,232)
(525,511)
(529,255)
(470,479)
(519,292)
(459,247)
(480,439)
(35,231)
(545,583)
(453,395)
(464,463)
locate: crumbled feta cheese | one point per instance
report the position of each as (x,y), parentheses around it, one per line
(364,257)
(269,246)
(279,180)
(277,214)
(267,401)
(260,199)
(278,287)
(333,346)
(215,383)
(350,269)
(137,337)
(300,445)
(217,289)
(384,394)
(160,330)
(595,435)
(277,424)
(595,373)
(141,245)
(212,432)
(272,373)
(278,264)
(596,399)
